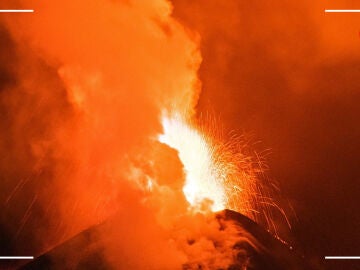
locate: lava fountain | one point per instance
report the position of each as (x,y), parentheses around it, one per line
(114,91)
(195,152)
(219,175)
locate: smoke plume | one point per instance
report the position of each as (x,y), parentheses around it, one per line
(83,88)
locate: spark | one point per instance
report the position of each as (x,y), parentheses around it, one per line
(196,156)
(18,186)
(219,172)
(26,216)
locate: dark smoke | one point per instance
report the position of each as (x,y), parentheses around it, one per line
(289,74)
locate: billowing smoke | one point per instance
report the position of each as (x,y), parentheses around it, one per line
(289,73)
(84,88)
(87,84)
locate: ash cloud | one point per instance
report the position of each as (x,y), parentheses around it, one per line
(82,92)
(82,102)
(289,73)
(82,89)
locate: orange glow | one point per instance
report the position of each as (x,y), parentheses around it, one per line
(94,95)
(219,175)
(195,152)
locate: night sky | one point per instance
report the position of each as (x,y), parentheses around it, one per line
(290,76)
(286,75)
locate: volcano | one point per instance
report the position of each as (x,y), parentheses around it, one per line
(86,251)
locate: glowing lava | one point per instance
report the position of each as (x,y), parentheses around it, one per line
(219,175)
(195,152)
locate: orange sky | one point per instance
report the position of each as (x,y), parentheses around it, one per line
(289,74)
(284,72)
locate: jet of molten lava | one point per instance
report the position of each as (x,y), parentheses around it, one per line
(219,175)
(195,152)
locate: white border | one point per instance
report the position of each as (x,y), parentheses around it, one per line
(342,257)
(16,10)
(342,10)
(16,257)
